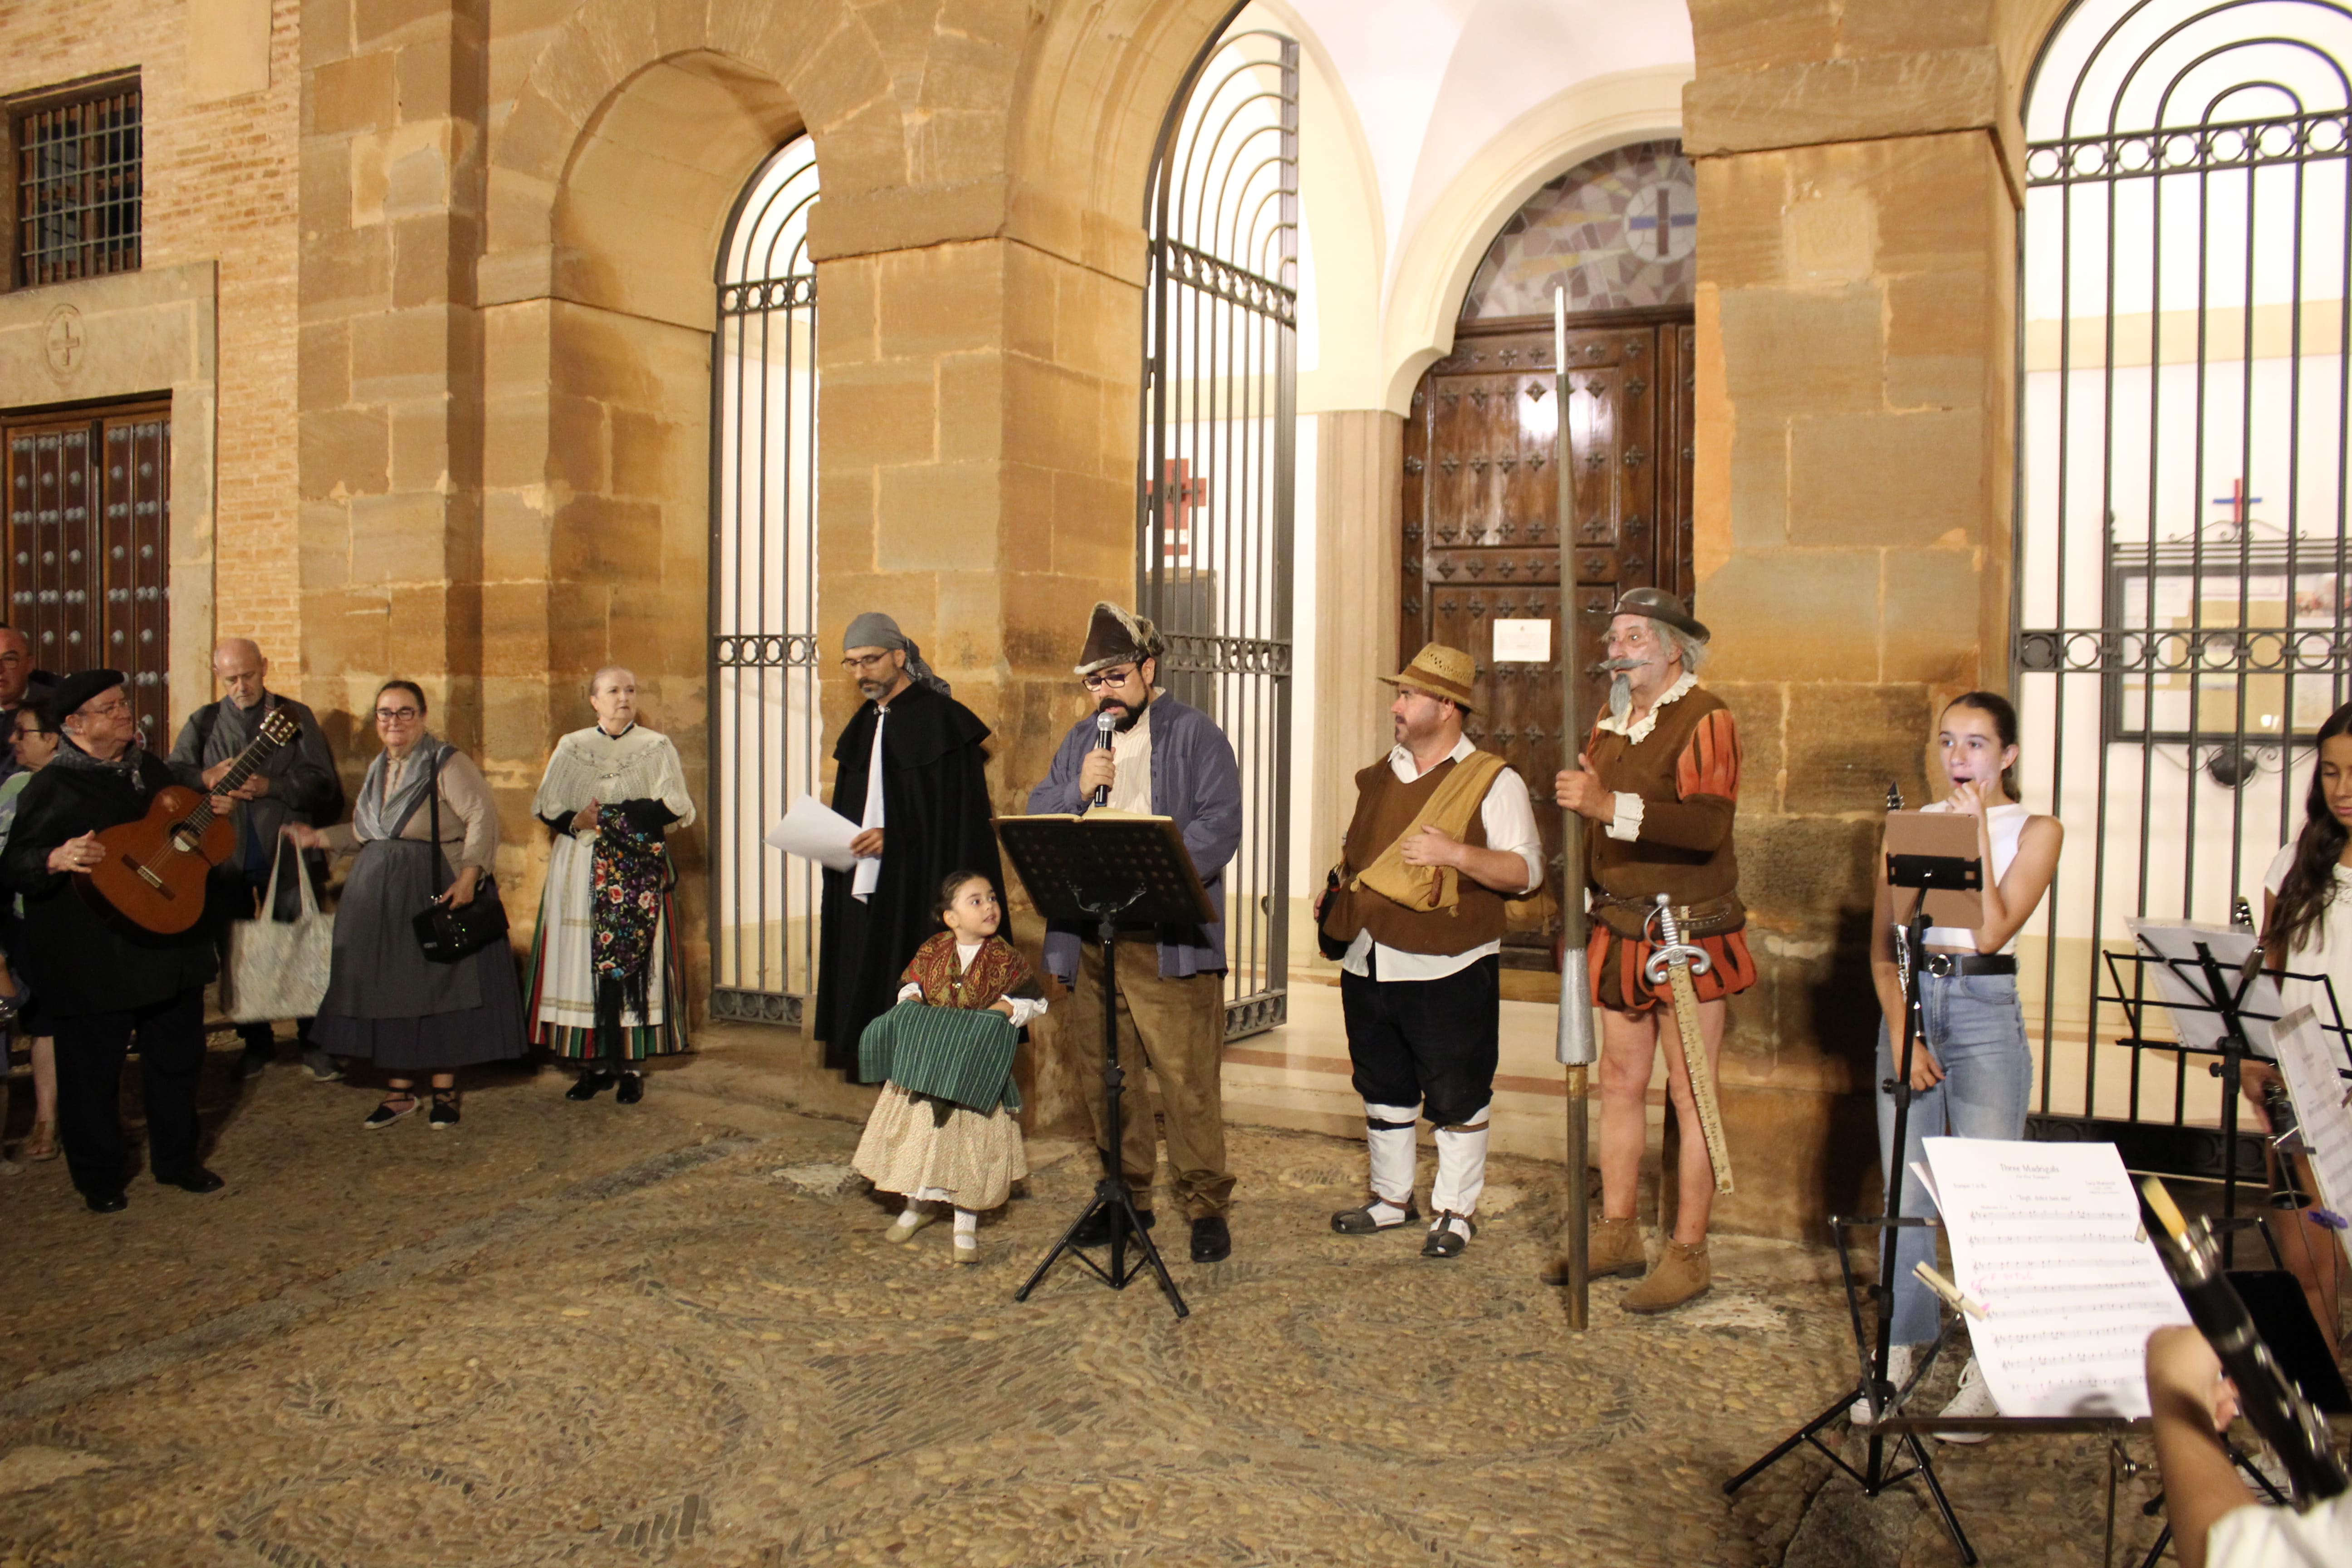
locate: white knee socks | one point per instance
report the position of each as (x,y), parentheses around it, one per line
(1388,1138)
(1461,1165)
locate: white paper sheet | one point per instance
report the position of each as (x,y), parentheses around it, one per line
(2307,1062)
(815,831)
(2229,946)
(2046,1236)
(1522,642)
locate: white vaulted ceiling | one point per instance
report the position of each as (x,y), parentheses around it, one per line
(1426,124)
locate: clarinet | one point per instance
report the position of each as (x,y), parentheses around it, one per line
(2280,1415)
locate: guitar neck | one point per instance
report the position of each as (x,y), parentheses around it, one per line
(248,761)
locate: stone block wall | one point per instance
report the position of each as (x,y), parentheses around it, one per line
(1855,388)
(221,87)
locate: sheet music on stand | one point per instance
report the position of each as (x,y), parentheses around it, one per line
(2323,1120)
(2170,947)
(2046,1240)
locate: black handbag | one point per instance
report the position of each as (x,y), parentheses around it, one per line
(448,935)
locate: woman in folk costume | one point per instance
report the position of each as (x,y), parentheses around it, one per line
(605,988)
(387,1002)
(943,1131)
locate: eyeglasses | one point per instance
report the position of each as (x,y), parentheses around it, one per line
(1101,678)
(396,715)
(871,661)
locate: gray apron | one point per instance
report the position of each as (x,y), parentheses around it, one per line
(379,971)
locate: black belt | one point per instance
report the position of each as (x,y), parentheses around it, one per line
(1945,964)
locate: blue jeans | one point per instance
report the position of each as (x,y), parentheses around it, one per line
(1978,1033)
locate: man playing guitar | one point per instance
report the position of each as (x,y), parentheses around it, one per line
(103,981)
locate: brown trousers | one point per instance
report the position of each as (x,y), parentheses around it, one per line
(1176,1028)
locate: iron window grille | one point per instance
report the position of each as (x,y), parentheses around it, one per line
(78,185)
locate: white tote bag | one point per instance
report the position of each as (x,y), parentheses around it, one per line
(277,969)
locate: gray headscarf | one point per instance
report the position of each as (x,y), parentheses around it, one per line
(874,629)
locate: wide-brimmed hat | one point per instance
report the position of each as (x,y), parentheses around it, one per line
(1659,606)
(1441,671)
(78,688)
(1118,635)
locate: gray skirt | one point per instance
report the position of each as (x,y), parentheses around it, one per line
(386,1002)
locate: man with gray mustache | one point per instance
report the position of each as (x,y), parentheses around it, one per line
(1660,777)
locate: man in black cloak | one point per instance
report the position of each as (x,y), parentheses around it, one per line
(910,770)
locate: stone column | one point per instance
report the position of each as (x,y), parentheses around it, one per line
(1359,454)
(391,356)
(1855,308)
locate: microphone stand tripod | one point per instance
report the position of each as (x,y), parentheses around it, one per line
(1111,1193)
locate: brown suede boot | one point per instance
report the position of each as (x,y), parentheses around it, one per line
(1613,1247)
(1682,1275)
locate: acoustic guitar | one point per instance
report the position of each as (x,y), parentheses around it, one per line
(154,871)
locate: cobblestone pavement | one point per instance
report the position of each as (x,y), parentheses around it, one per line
(671,1333)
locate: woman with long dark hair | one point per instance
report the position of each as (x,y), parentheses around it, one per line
(2307,927)
(1972,1076)
(386,1002)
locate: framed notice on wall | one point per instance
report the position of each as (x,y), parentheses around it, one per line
(1522,642)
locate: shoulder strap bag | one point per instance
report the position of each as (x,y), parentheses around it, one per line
(449,934)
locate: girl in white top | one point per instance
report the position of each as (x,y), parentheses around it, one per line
(1972,1076)
(2307,916)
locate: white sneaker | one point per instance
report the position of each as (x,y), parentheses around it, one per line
(1972,1403)
(1898,1373)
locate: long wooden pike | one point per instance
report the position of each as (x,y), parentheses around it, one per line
(1575,1046)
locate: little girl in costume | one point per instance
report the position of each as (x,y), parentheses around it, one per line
(943,1132)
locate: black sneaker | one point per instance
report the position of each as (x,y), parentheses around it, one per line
(445,1110)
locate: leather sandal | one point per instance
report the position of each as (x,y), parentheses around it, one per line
(1361,1222)
(1444,1241)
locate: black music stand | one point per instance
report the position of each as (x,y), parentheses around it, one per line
(1934,877)
(1112,872)
(2207,985)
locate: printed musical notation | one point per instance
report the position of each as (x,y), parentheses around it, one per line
(2047,1237)
(2307,1062)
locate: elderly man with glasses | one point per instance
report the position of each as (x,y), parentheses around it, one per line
(99,988)
(295,783)
(18,680)
(910,769)
(1165,759)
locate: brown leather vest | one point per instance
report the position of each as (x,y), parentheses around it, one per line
(1385,807)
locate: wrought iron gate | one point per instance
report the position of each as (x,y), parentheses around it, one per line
(766,740)
(1214,490)
(2180,576)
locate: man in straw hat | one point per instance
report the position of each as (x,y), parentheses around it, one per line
(1165,759)
(910,769)
(1442,834)
(1660,776)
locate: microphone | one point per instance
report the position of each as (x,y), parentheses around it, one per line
(1104,725)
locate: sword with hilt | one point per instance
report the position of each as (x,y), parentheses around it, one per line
(1677,962)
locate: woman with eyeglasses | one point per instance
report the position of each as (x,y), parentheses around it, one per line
(386,1002)
(604,984)
(35,735)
